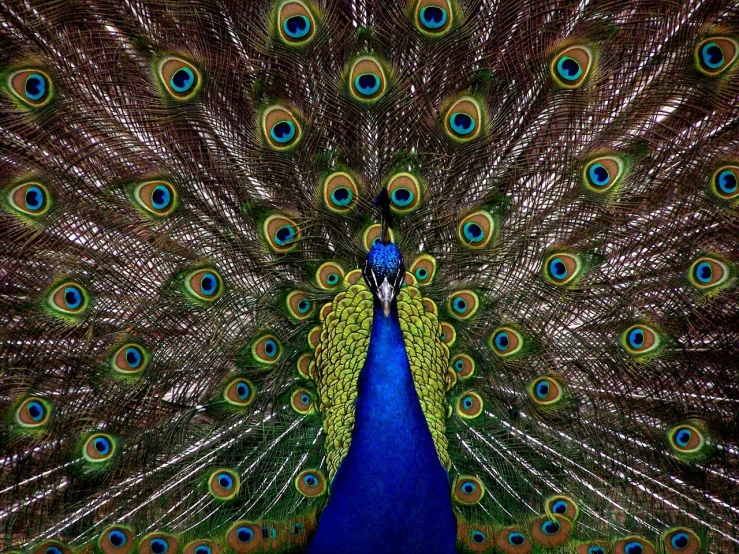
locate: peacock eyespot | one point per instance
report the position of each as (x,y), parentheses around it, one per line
(633,545)
(239,392)
(724,183)
(180,78)
(99,447)
(116,540)
(129,359)
(506,342)
(266,349)
(299,305)
(478,536)
(463,365)
(201,547)
(281,128)
(224,484)
(329,276)
(591,548)
(715,55)
(641,339)
(681,540)
(311,483)
(302,401)
(545,391)
(463,304)
(156,198)
(563,506)
(68,299)
(372,235)
(467,490)
(33,87)
(423,269)
(404,190)
(551,532)
(282,233)
(601,175)
(340,192)
(205,285)
(463,120)
(571,67)
(448,333)
(51,547)
(296,23)
(511,540)
(709,274)
(433,18)
(367,79)
(476,230)
(30,199)
(33,413)
(562,268)
(469,405)
(686,439)
(158,543)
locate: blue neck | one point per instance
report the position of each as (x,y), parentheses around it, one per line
(391,493)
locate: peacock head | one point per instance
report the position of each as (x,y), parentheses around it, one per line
(383,269)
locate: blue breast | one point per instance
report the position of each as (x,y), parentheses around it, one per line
(391,493)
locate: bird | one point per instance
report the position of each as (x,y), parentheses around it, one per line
(331,276)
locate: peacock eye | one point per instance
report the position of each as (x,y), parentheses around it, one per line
(267,349)
(282,233)
(463,119)
(708,273)
(33,413)
(433,17)
(469,405)
(602,174)
(280,127)
(199,547)
(405,193)
(597,549)
(448,333)
(181,79)
(681,539)
(463,365)
(155,198)
(545,391)
(224,484)
(715,55)
(239,392)
(372,235)
(311,483)
(329,275)
(506,342)
(204,285)
(478,536)
(550,527)
(32,87)
(516,539)
(463,304)
(296,23)
(476,229)
(51,547)
(130,359)
(724,183)
(302,401)
(30,199)
(467,490)
(367,79)
(69,298)
(633,545)
(116,540)
(564,506)
(686,439)
(340,192)
(571,67)
(245,534)
(299,306)
(423,269)
(562,268)
(640,339)
(158,543)
(99,447)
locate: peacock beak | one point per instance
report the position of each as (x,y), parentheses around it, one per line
(385,294)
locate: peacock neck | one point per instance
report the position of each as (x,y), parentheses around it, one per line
(390,493)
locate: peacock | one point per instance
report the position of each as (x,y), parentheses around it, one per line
(347,276)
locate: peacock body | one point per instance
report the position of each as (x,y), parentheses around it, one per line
(350,276)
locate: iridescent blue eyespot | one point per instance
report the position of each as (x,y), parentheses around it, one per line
(459,365)
(296,27)
(158,546)
(225,481)
(636,338)
(53,550)
(284,235)
(208,284)
(282,131)
(462,123)
(203,549)
(516,539)
(102,445)
(244,534)
(433,17)
(550,527)
(161,197)
(502,340)
(402,197)
(683,436)
(473,232)
(421,273)
(367,84)
(133,357)
(568,69)
(35,89)
(342,196)
(34,198)
(467,402)
(459,305)
(182,80)
(468,487)
(270,348)
(596,550)
(310,480)
(478,537)
(304,306)
(558,269)
(598,174)
(242,391)
(117,538)
(712,56)
(704,272)
(727,181)
(332,278)
(542,389)
(72,297)
(680,540)
(560,507)
(36,410)
(634,547)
